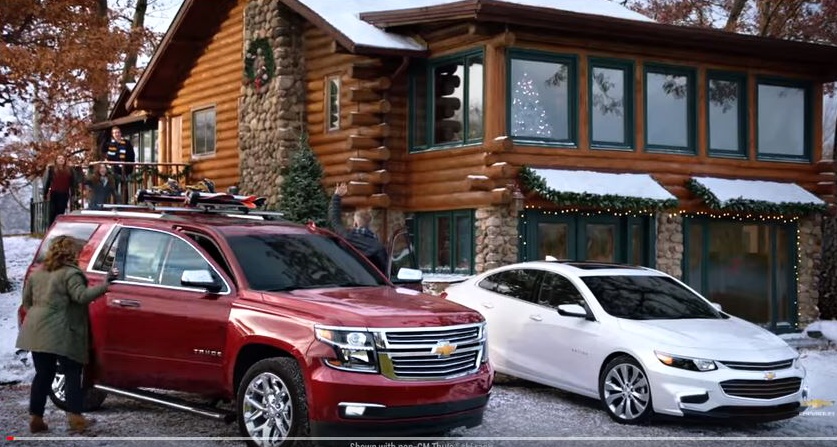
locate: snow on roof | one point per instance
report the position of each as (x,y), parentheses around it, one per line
(344,15)
(757,190)
(641,186)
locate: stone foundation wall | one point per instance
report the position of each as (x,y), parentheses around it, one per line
(670,244)
(495,237)
(272,118)
(810,263)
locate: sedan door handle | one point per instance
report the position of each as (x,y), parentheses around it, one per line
(488,305)
(125,303)
(535,317)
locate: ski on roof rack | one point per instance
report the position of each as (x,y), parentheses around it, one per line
(199,199)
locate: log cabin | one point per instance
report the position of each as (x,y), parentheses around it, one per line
(509,130)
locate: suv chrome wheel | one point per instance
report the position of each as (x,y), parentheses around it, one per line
(271,403)
(625,391)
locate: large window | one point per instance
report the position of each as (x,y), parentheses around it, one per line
(726,107)
(669,109)
(445,241)
(203,131)
(783,125)
(589,238)
(746,267)
(542,97)
(611,103)
(447,102)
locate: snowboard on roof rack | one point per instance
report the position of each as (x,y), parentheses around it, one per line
(201,199)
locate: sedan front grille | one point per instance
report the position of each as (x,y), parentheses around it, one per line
(431,353)
(751,366)
(762,389)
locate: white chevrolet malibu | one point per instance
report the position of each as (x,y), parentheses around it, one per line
(637,339)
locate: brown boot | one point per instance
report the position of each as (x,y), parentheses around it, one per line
(77,422)
(37,424)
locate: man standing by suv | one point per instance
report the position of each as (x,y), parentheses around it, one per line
(360,236)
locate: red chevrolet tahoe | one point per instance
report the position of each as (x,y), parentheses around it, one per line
(287,323)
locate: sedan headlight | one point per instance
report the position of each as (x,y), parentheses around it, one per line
(353,350)
(688,363)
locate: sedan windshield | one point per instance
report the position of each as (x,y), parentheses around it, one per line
(648,298)
(283,262)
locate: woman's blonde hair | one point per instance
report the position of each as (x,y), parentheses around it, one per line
(63,251)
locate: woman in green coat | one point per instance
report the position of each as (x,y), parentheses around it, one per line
(55,298)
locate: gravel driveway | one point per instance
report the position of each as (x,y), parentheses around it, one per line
(520,413)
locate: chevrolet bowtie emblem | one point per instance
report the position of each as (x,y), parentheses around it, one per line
(770,375)
(443,349)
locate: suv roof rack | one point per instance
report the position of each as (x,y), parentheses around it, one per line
(150,210)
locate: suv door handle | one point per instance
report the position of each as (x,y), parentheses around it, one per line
(125,303)
(487,305)
(535,317)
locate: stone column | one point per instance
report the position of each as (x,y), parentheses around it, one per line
(808,268)
(670,244)
(496,237)
(271,119)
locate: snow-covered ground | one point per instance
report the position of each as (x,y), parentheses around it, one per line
(518,410)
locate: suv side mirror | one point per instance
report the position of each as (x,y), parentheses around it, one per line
(406,274)
(202,279)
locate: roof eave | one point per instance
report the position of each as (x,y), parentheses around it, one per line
(462,10)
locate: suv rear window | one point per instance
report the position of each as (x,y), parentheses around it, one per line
(78,230)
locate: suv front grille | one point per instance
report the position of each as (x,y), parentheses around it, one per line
(749,366)
(762,389)
(428,353)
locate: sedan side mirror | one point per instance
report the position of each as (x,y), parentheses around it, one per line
(574,310)
(201,279)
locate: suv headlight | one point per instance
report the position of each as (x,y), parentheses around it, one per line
(484,344)
(688,363)
(354,350)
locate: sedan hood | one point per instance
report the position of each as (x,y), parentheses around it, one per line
(732,334)
(376,307)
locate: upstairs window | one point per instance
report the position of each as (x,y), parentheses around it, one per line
(727,110)
(669,109)
(203,131)
(611,104)
(784,117)
(542,97)
(332,105)
(447,102)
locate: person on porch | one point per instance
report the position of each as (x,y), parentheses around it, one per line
(59,184)
(120,149)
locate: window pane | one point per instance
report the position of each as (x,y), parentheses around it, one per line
(557,290)
(637,245)
(333,104)
(419,109)
(448,95)
(601,242)
(724,112)
(475,98)
(518,284)
(540,99)
(425,237)
(667,111)
(144,255)
(781,120)
(181,257)
(552,240)
(695,257)
(608,105)
(739,269)
(783,275)
(464,230)
(204,131)
(146,145)
(443,244)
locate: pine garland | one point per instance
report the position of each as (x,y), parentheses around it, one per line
(741,205)
(533,182)
(144,171)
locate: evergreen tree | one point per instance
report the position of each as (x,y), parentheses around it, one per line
(528,115)
(303,197)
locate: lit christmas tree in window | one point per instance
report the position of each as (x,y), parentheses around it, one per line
(528,115)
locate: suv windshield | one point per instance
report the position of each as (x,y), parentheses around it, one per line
(280,262)
(648,298)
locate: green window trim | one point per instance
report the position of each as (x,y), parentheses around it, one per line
(691,114)
(454,254)
(628,67)
(571,61)
(743,121)
(427,67)
(808,137)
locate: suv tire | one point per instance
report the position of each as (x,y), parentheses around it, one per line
(625,391)
(275,385)
(93,398)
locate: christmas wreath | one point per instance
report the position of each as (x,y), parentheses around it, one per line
(259,65)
